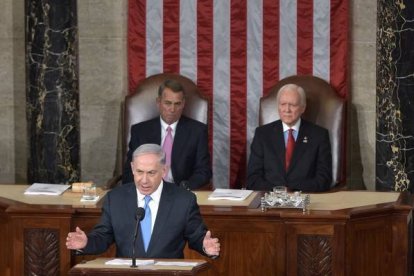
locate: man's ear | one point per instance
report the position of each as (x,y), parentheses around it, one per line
(165,170)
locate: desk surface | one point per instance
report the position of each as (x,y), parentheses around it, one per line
(100,263)
(323,201)
(98,267)
(16,192)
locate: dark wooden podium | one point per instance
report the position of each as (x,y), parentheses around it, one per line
(370,236)
(98,267)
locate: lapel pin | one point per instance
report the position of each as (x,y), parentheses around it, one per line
(305,139)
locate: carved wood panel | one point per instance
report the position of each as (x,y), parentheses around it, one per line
(314,255)
(41,251)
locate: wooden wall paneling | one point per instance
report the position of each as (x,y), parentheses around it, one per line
(366,237)
(256,240)
(315,248)
(402,230)
(30,254)
(366,240)
(5,243)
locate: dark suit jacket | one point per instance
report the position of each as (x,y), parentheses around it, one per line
(311,165)
(190,158)
(178,220)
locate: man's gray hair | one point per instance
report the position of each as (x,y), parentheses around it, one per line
(293,87)
(174,85)
(150,149)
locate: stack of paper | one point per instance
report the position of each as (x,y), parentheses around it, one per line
(176,263)
(46,189)
(129,262)
(230,194)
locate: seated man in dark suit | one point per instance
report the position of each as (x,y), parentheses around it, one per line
(189,158)
(290,152)
(172,216)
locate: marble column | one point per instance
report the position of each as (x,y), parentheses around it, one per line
(52,87)
(395,95)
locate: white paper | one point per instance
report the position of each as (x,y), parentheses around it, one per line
(129,262)
(46,189)
(229,194)
(177,263)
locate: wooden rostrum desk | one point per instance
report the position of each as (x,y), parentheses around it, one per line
(344,233)
(98,267)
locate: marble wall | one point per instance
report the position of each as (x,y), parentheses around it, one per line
(103,83)
(395,82)
(52,101)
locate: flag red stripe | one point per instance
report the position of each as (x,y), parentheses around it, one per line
(238,101)
(305,37)
(339,32)
(339,46)
(136,42)
(270,44)
(339,23)
(205,57)
(171,36)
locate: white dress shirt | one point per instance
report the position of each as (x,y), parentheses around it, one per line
(153,204)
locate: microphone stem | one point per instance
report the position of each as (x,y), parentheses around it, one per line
(134,259)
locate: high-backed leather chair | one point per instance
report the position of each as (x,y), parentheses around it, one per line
(323,107)
(141,106)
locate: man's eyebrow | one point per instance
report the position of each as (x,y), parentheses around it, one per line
(150,171)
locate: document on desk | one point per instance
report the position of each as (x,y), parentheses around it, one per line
(129,262)
(229,194)
(46,189)
(164,263)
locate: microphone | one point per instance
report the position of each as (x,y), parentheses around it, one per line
(139,215)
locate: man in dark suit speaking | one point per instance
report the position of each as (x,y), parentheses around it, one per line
(185,140)
(290,152)
(172,216)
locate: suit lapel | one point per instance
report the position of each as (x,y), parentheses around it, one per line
(155,131)
(300,145)
(162,215)
(131,201)
(279,145)
(180,139)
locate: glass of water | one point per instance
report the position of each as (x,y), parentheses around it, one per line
(89,192)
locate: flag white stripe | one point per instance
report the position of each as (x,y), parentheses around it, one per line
(288,38)
(221,70)
(321,38)
(254,66)
(188,39)
(221,93)
(154,40)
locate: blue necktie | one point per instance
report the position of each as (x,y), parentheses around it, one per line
(146,223)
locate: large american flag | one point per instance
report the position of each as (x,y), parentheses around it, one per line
(235,50)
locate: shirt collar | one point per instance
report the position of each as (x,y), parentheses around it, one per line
(295,127)
(164,125)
